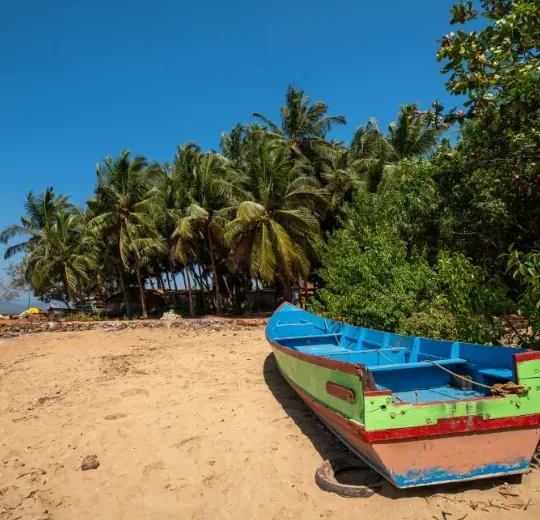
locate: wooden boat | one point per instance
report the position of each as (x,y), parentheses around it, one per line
(418,411)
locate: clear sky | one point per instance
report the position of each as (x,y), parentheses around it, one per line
(83,80)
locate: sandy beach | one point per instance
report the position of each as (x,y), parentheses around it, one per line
(186,425)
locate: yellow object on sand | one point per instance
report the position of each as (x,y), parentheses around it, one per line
(34,310)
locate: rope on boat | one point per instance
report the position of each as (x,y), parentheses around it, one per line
(330,331)
(496,389)
(386,357)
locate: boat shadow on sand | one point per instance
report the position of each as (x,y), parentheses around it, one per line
(330,448)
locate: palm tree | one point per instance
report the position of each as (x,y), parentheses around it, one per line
(303,127)
(183,236)
(411,136)
(273,229)
(41,211)
(233,145)
(184,251)
(211,193)
(65,252)
(343,176)
(125,215)
(176,228)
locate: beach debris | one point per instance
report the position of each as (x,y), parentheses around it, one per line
(325,477)
(168,320)
(45,398)
(171,316)
(536,458)
(90,462)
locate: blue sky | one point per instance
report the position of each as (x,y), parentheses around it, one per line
(82,80)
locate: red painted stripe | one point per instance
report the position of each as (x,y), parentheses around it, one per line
(526,356)
(375,393)
(469,424)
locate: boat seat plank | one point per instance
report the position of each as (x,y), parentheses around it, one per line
(372,343)
(318,336)
(419,364)
(436,394)
(500,373)
(363,353)
(301,324)
(321,350)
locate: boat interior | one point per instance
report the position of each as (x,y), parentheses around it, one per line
(416,370)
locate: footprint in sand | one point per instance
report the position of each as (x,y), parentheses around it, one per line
(115,416)
(134,391)
(187,440)
(158,465)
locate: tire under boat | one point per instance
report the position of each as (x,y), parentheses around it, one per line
(418,411)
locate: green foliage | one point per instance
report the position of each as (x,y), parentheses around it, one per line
(374,276)
(370,278)
(496,67)
(462,281)
(526,268)
(65,254)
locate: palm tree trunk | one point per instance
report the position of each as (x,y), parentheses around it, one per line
(306,292)
(80,291)
(228,289)
(127,300)
(198,281)
(160,285)
(258,295)
(66,286)
(175,295)
(190,296)
(287,290)
(214,270)
(141,290)
(152,283)
(68,299)
(170,298)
